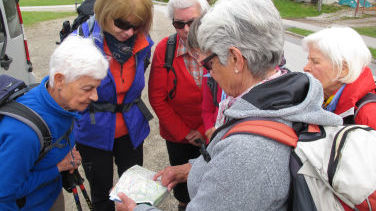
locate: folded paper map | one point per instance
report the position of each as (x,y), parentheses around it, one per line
(138,184)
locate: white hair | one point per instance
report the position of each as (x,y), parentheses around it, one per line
(252,26)
(75,57)
(343,46)
(181,4)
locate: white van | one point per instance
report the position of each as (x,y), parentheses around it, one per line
(14,53)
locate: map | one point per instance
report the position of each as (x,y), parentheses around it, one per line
(138,184)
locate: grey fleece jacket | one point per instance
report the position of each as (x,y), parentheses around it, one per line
(248,172)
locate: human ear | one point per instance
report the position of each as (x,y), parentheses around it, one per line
(345,70)
(59,81)
(236,57)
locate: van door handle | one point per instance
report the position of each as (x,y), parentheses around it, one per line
(5,62)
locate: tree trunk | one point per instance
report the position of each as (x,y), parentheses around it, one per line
(319,5)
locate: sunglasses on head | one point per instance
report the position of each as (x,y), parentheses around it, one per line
(206,62)
(181,24)
(124,25)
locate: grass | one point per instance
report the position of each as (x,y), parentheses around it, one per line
(30,18)
(373,52)
(292,9)
(368,31)
(304,32)
(299,31)
(47,2)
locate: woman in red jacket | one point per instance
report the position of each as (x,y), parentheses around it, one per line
(338,57)
(179,112)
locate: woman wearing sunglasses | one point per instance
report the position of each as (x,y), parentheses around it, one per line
(175,95)
(116,126)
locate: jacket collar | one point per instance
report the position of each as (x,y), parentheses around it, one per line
(353,92)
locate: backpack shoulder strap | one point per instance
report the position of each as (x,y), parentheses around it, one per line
(170,51)
(266,128)
(213,87)
(368,98)
(169,60)
(29,117)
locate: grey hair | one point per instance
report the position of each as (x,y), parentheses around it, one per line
(252,26)
(181,4)
(192,42)
(341,45)
(75,57)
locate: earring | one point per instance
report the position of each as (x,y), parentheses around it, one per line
(236,71)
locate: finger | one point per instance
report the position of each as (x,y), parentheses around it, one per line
(158,174)
(171,186)
(122,196)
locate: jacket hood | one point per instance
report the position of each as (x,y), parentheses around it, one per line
(294,97)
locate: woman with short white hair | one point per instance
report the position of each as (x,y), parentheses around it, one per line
(76,70)
(338,57)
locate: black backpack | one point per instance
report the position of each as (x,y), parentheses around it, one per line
(85,10)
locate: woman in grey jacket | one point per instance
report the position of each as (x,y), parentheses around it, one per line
(241,42)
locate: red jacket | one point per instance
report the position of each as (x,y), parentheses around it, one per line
(177,117)
(352,93)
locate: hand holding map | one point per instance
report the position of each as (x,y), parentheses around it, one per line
(138,184)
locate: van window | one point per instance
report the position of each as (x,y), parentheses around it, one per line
(14,25)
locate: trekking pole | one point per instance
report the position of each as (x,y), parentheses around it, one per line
(80,182)
(76,198)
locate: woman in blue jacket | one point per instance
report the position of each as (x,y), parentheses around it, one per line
(117,124)
(27,183)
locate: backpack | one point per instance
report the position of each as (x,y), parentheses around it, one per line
(85,10)
(331,167)
(169,60)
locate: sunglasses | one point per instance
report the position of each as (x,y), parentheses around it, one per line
(206,62)
(181,24)
(124,25)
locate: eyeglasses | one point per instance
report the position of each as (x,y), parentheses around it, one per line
(124,25)
(181,24)
(206,62)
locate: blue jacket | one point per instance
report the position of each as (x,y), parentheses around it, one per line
(101,134)
(19,149)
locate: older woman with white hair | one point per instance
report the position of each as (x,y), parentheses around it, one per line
(242,42)
(338,57)
(76,70)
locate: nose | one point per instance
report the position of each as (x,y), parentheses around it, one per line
(129,32)
(93,95)
(307,67)
(186,28)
